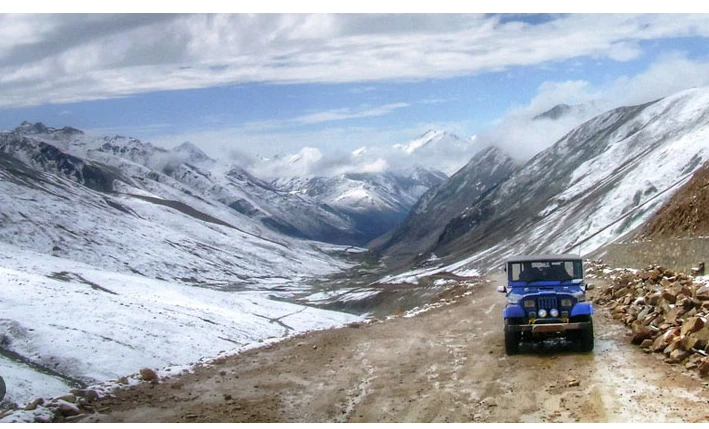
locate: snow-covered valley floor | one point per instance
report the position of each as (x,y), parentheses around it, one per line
(65,324)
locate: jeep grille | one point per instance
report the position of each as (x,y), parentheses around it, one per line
(547,302)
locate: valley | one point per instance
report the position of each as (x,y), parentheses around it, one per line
(359,297)
(444,365)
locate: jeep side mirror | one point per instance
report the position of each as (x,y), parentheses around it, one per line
(502,289)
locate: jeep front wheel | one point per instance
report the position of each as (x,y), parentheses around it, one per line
(585,338)
(512,339)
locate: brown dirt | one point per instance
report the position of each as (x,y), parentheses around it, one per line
(685,214)
(445,365)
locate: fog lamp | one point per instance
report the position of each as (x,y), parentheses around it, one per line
(554,312)
(542,313)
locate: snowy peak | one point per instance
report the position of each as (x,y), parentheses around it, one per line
(439,150)
(129,148)
(376,202)
(192,154)
(359,152)
(27,127)
(555,112)
(38,128)
(425,139)
(430,140)
(565,111)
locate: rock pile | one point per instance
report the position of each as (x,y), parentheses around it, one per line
(75,405)
(666,311)
(65,408)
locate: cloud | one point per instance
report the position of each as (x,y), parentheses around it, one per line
(671,73)
(347,113)
(311,162)
(339,149)
(62,58)
(523,137)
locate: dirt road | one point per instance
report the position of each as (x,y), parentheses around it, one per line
(446,365)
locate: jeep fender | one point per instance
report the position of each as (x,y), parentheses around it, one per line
(513,311)
(582,309)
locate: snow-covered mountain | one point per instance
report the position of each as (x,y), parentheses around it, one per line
(374,187)
(426,221)
(376,202)
(109,264)
(600,181)
(433,140)
(188,173)
(439,149)
(561,111)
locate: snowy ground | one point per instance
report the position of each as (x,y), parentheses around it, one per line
(73,323)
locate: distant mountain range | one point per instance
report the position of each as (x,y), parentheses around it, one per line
(351,208)
(375,199)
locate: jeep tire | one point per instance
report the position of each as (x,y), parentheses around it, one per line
(585,338)
(512,339)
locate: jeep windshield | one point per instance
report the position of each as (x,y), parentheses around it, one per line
(544,271)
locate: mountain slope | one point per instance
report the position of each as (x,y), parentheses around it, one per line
(188,172)
(116,219)
(428,218)
(600,181)
(685,214)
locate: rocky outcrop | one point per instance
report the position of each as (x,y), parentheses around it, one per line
(667,312)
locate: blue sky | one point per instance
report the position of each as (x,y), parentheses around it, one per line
(271,83)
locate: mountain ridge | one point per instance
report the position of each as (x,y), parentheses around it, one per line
(601,180)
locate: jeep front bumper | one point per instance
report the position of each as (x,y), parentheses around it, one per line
(549,328)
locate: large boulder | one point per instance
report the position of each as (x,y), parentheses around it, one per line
(692,325)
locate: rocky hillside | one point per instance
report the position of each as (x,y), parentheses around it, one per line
(685,214)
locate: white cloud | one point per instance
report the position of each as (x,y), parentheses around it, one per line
(347,113)
(624,51)
(671,73)
(64,58)
(322,152)
(309,162)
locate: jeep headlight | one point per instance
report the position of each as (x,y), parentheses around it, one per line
(542,313)
(513,298)
(529,303)
(566,302)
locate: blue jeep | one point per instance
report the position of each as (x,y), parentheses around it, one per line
(546,298)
